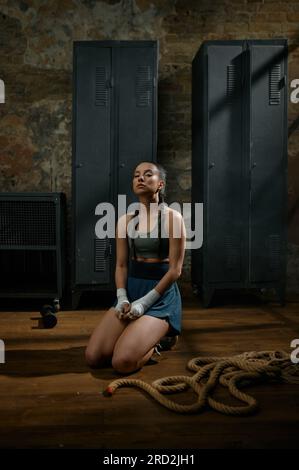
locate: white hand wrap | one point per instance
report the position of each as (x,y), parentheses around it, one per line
(140,306)
(122,299)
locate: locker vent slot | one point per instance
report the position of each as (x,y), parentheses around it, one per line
(102,251)
(26,223)
(143,85)
(274,253)
(232,83)
(101,87)
(232,250)
(274,79)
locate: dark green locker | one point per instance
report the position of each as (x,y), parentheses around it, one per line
(114,128)
(239,165)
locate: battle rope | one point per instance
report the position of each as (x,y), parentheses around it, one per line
(231,372)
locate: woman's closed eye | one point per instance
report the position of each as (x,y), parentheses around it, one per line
(146,174)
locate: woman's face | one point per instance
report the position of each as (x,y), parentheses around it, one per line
(146,179)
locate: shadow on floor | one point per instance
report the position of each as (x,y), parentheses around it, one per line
(41,363)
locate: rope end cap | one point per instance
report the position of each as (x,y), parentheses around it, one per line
(108,392)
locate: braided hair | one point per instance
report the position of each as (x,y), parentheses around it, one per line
(162,174)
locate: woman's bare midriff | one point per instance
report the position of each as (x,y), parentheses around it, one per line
(151,260)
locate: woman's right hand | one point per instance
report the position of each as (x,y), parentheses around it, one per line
(122,308)
(123,305)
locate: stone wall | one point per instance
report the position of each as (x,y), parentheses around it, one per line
(36,40)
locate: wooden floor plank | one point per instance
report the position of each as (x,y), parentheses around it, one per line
(49,398)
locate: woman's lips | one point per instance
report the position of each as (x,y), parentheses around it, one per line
(140,185)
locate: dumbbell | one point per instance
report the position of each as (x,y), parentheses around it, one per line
(48,313)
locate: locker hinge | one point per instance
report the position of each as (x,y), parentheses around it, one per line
(110,83)
(154,82)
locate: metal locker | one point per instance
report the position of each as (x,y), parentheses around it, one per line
(268,163)
(224,171)
(92,159)
(114,128)
(239,148)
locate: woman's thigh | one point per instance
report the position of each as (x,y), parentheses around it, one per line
(105,335)
(139,337)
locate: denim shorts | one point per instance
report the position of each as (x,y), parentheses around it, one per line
(143,277)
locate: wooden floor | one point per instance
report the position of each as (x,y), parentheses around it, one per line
(49,398)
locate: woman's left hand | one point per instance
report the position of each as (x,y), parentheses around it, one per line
(136,311)
(140,306)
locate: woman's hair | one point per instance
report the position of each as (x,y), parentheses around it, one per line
(162,174)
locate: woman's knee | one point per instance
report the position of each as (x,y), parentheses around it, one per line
(95,359)
(91,357)
(124,362)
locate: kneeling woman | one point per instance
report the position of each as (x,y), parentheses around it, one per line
(148,305)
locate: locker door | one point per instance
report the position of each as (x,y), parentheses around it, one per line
(268,162)
(226,218)
(92,159)
(136,88)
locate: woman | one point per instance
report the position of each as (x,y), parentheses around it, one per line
(148,305)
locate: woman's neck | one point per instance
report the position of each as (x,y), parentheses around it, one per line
(149,204)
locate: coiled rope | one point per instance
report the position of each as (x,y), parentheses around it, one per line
(231,372)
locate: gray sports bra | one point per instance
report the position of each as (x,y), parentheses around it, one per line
(146,246)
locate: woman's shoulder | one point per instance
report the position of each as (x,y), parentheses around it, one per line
(129,216)
(125,217)
(172,213)
(173,221)
(122,223)
(121,226)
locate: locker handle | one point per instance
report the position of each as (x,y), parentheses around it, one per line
(211,165)
(107,251)
(253,165)
(282,82)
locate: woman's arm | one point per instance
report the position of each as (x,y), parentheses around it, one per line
(176,251)
(121,269)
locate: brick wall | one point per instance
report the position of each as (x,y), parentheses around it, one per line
(36,40)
